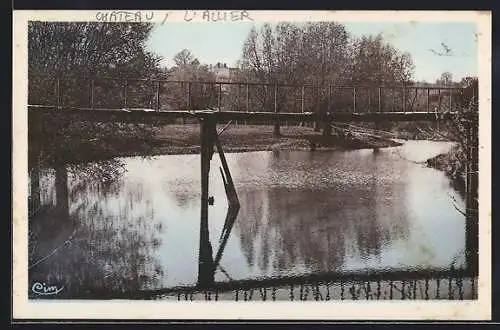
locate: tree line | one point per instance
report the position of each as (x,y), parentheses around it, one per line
(312,53)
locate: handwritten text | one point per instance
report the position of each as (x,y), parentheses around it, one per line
(124,16)
(43,289)
(217,16)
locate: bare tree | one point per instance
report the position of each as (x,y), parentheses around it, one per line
(184,58)
(445,79)
(318,53)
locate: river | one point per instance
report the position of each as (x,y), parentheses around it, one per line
(301,212)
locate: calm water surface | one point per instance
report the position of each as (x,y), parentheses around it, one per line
(301,212)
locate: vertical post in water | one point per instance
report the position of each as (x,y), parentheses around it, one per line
(276,131)
(205,261)
(472,205)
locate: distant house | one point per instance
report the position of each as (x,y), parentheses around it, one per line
(224,74)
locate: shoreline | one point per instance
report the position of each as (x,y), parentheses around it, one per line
(449,163)
(184,139)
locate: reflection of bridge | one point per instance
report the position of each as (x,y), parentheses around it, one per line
(143,100)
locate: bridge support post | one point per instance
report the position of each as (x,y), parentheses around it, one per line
(205,259)
(472,204)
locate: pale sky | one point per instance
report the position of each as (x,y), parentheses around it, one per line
(222,42)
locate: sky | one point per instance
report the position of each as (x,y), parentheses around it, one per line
(222,42)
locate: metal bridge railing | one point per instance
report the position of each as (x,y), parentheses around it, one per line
(160,94)
(425,289)
(451,284)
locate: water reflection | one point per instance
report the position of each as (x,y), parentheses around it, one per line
(300,212)
(86,248)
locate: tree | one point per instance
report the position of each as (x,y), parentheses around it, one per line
(318,53)
(89,48)
(185,58)
(72,50)
(376,63)
(445,79)
(189,69)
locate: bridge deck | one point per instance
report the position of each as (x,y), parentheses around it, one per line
(147,115)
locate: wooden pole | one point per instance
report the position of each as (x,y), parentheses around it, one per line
(205,258)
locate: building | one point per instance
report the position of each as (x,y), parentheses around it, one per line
(224,74)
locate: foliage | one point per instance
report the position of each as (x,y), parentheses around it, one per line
(182,95)
(80,50)
(321,54)
(464,130)
(89,48)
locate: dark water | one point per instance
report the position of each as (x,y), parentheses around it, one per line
(301,212)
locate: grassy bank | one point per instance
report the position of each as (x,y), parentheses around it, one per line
(185,139)
(451,163)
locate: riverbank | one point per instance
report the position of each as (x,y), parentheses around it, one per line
(452,164)
(185,139)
